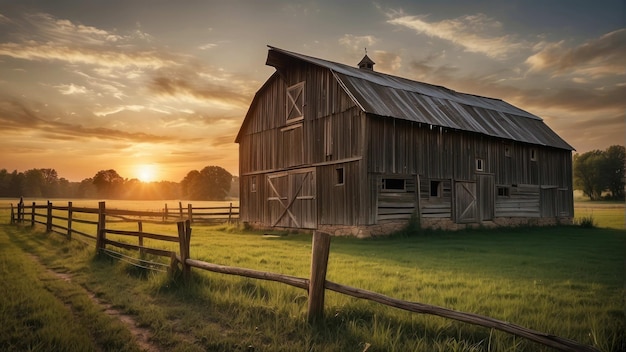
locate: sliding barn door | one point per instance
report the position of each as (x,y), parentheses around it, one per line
(292,201)
(466,204)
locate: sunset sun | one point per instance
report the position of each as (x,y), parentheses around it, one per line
(146,172)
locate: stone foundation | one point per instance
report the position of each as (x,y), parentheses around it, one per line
(387,227)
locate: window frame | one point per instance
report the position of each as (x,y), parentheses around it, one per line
(291,102)
(438,189)
(384,185)
(506,191)
(480,164)
(340,176)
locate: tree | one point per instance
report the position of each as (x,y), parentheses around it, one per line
(614,170)
(109,183)
(210,183)
(34,182)
(587,173)
(598,171)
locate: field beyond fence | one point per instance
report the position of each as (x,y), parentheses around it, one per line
(106,236)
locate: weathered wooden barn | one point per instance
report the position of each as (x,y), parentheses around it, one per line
(355,152)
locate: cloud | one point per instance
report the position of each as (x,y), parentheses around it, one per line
(472,32)
(70,89)
(15,116)
(357,43)
(202,92)
(596,58)
(207,46)
(34,51)
(576,99)
(387,61)
(4,19)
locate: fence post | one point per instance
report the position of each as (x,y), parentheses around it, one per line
(12,220)
(230,213)
(69,220)
(142,252)
(319,264)
(189,212)
(49,217)
(32,215)
(101,235)
(20,210)
(180,209)
(165,216)
(184,238)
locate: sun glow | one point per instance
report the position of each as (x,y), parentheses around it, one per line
(146,172)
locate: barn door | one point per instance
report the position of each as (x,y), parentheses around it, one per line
(466,202)
(292,200)
(486,197)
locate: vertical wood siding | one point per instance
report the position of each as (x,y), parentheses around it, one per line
(334,133)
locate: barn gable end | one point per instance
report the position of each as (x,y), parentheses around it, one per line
(356,152)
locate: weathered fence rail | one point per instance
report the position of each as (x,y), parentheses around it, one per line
(316,284)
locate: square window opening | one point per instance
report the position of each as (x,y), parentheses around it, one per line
(507,151)
(339,176)
(504,192)
(480,165)
(533,154)
(435,188)
(393,184)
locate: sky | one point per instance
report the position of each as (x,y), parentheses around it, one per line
(154,89)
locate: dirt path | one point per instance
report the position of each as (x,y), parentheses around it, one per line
(142,335)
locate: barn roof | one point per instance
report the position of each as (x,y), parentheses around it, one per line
(395,97)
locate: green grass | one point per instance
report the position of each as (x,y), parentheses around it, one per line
(565,281)
(40,312)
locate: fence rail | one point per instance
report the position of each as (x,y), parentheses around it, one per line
(316,284)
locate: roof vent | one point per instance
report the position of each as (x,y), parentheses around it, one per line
(366,63)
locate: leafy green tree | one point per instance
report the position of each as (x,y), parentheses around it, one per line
(109,183)
(210,183)
(588,174)
(33,183)
(87,189)
(190,185)
(614,170)
(599,171)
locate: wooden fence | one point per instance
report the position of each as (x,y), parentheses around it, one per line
(315,285)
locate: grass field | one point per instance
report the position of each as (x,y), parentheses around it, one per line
(565,281)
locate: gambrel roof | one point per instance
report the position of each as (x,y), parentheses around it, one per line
(395,97)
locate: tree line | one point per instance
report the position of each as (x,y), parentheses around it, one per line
(599,174)
(210,183)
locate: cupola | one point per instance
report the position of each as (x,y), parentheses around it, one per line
(366,63)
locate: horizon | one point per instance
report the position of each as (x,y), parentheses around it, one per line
(156,91)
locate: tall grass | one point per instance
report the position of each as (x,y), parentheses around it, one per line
(40,312)
(565,281)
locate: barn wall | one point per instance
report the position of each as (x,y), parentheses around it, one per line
(533,181)
(330,136)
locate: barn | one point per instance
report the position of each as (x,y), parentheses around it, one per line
(351,151)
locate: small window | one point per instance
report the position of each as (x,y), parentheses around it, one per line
(295,102)
(480,165)
(393,184)
(533,154)
(435,188)
(253,184)
(339,176)
(507,151)
(504,192)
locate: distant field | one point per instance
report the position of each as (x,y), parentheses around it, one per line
(148,205)
(605,214)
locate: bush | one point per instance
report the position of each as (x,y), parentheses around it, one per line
(586,222)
